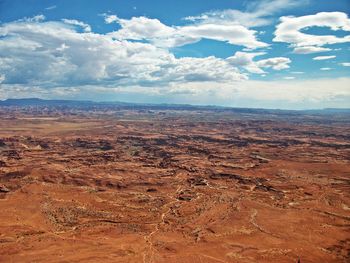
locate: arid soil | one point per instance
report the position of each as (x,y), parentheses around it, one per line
(173,186)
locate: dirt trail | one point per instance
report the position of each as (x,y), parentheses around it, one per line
(148,256)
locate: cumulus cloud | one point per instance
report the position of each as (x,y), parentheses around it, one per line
(58,53)
(290,31)
(277,63)
(231,26)
(66,59)
(139,28)
(246,60)
(51,54)
(159,34)
(325,69)
(345,64)
(233,34)
(201,69)
(110,18)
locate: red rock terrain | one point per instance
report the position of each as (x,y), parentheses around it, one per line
(123,185)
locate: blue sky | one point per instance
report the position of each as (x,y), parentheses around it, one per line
(270,53)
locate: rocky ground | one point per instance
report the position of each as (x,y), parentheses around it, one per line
(173,186)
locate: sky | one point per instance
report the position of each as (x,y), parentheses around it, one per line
(286,54)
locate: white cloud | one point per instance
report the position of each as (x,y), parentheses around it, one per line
(289,78)
(290,31)
(50,54)
(200,69)
(2,78)
(325,69)
(345,64)
(257,13)
(245,60)
(110,18)
(323,57)
(62,47)
(58,59)
(297,72)
(277,63)
(37,18)
(310,50)
(233,34)
(51,7)
(159,34)
(86,27)
(230,16)
(138,28)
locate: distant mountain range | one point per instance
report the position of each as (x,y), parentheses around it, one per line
(41,102)
(36,102)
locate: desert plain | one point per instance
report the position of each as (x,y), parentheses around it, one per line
(162,184)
